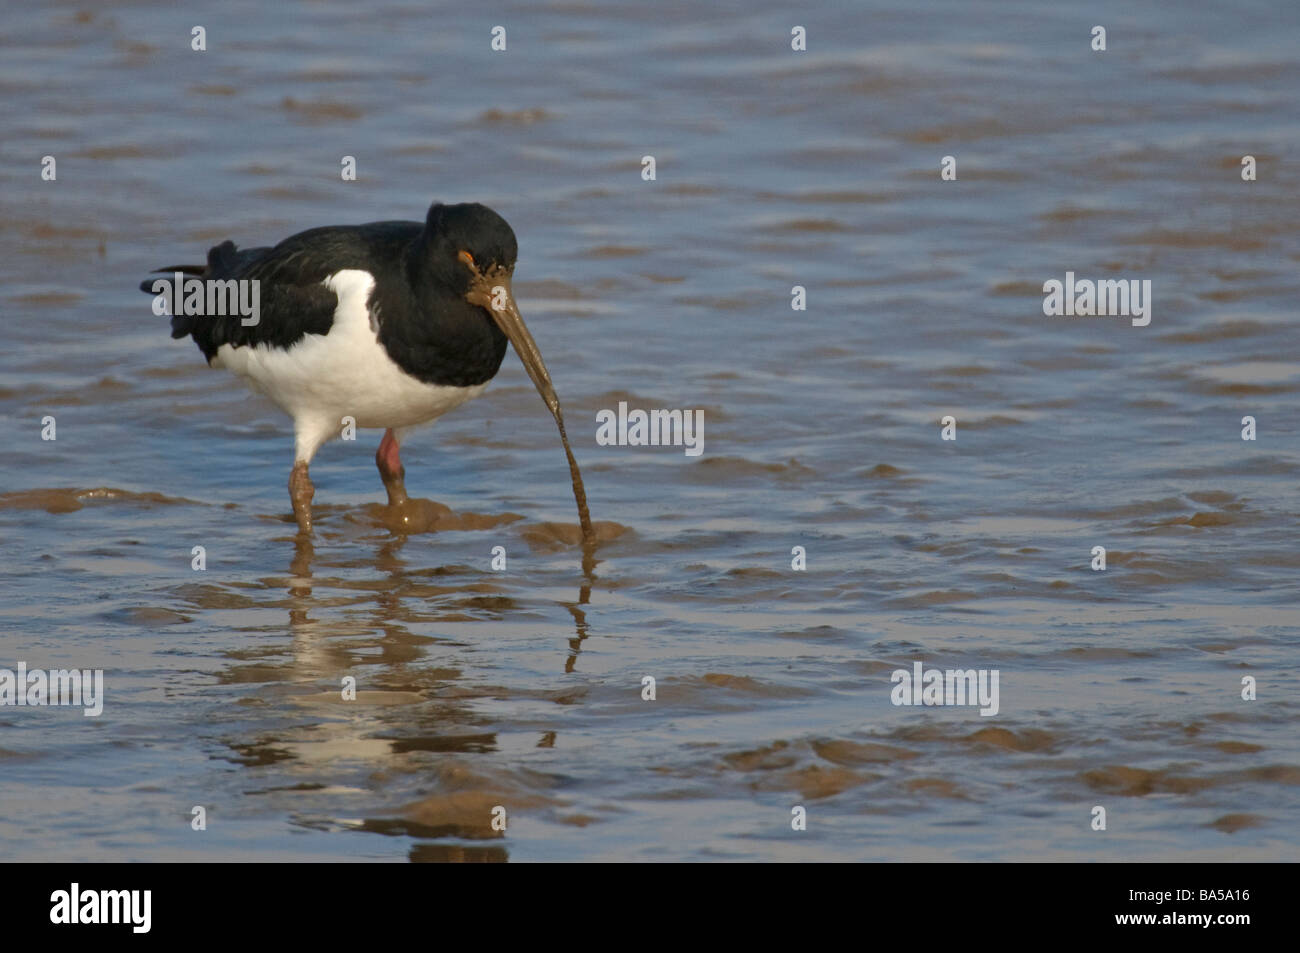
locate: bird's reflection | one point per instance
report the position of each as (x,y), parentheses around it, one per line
(457,854)
(388,600)
(580,623)
(300,580)
(357,611)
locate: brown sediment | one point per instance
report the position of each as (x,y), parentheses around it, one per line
(1073,213)
(851,753)
(1237,747)
(1279,773)
(48,298)
(715,467)
(320,111)
(1236,239)
(1027,289)
(718,687)
(43,230)
(776,767)
(770,757)
(1028,740)
(457,854)
(299,192)
(415,515)
(1210,519)
(807,225)
(531,115)
(940,787)
(816,781)
(551,536)
(69,499)
(754,572)
(1231,823)
(117,152)
(993,420)
(615,251)
(1102,653)
(881,471)
(466,814)
(976,129)
(257,673)
(579,820)
(738,682)
(465,799)
(1137,782)
(150,616)
(935,597)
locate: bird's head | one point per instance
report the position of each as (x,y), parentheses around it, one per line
(461,240)
(474,252)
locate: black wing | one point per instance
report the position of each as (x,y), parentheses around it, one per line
(291,300)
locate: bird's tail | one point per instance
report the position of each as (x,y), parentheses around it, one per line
(223,260)
(182,324)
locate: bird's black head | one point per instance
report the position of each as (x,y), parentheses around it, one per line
(454,233)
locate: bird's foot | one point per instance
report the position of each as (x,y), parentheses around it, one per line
(403,514)
(396,488)
(300,493)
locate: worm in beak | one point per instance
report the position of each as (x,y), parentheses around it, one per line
(491,290)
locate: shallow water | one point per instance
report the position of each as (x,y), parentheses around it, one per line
(522,688)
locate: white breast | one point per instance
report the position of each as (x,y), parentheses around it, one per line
(346,373)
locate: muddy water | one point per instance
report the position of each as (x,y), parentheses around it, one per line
(522,688)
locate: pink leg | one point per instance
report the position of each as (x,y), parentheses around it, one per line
(389,461)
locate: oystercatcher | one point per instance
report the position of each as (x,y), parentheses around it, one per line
(391,324)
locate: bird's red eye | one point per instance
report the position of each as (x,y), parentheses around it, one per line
(467,258)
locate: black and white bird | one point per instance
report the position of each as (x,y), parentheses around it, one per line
(391,324)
